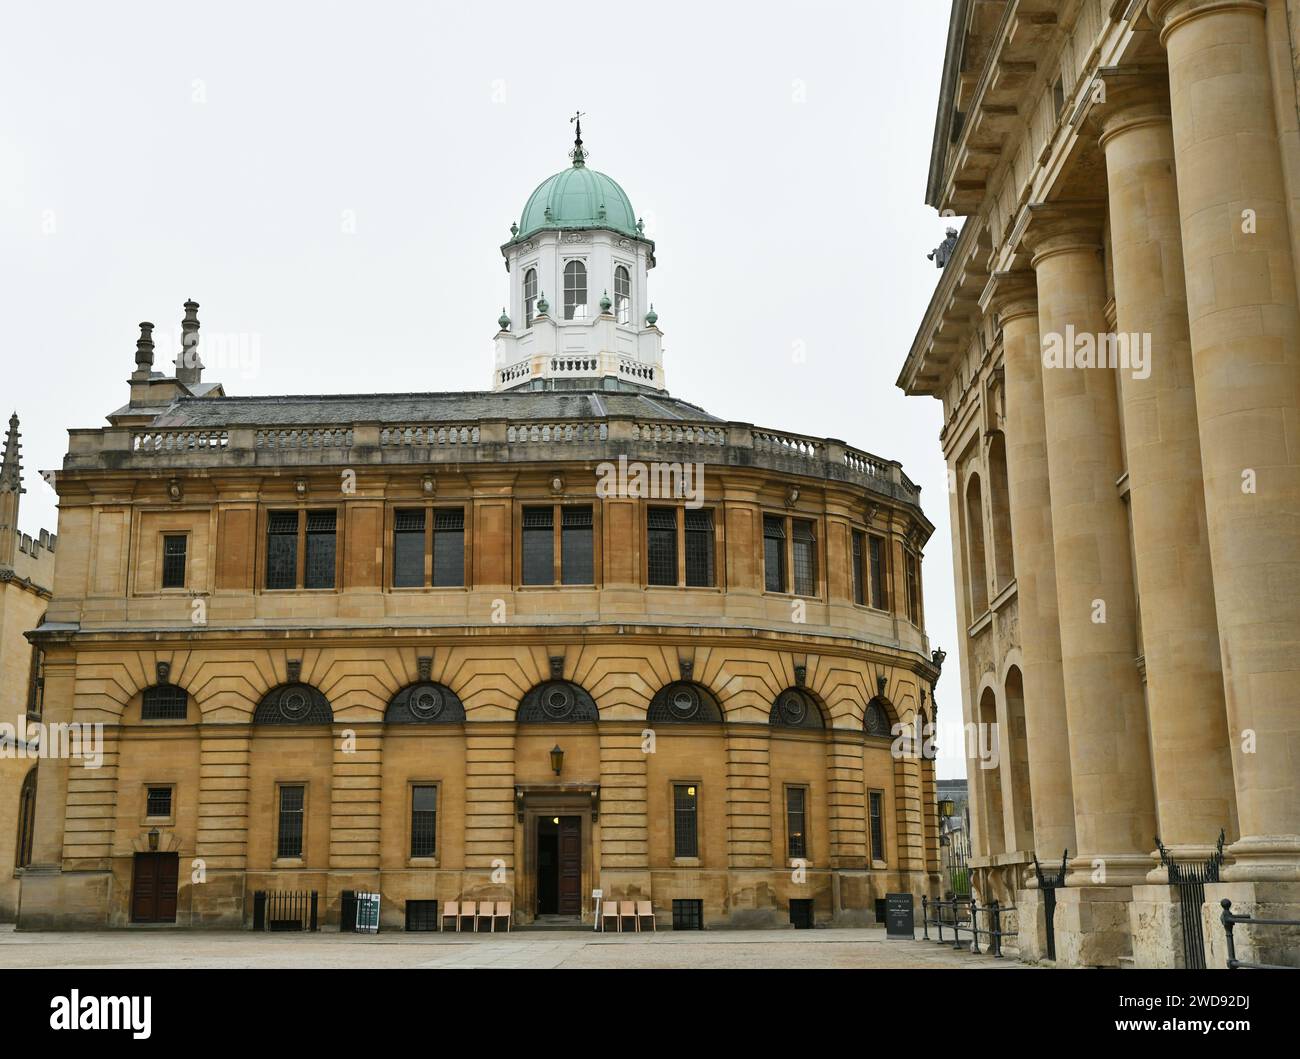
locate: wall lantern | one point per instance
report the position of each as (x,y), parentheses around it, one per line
(557,759)
(153,840)
(946,808)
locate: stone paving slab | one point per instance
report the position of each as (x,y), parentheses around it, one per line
(733,949)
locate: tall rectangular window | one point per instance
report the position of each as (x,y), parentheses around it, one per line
(293,801)
(859,568)
(699,548)
(282,549)
(408,549)
(661,546)
(449,547)
(424,818)
(686,830)
(173,570)
(773,553)
(319,571)
(576,562)
(913,589)
(877,805)
(879,598)
(538,546)
(805,558)
(796,821)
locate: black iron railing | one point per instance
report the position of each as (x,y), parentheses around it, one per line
(963,914)
(1189,880)
(1048,885)
(1230,920)
(285,910)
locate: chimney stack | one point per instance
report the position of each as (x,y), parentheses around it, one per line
(189,369)
(144,352)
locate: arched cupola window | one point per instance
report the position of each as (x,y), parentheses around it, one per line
(26,819)
(684,703)
(796,708)
(164,702)
(575,291)
(622,295)
(556,702)
(293,704)
(425,703)
(530,297)
(876,720)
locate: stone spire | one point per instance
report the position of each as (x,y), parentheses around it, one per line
(189,369)
(144,351)
(11,487)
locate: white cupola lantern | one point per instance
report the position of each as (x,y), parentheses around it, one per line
(579,238)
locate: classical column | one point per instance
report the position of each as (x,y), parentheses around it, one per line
(1245,343)
(1109,757)
(1014,297)
(1180,636)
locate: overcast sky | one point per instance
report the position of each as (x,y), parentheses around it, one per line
(332,182)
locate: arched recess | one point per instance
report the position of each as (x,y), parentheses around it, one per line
(797,708)
(990,778)
(684,702)
(164,702)
(425,702)
(877,719)
(294,704)
(557,702)
(1004,564)
(977,586)
(26,819)
(1018,750)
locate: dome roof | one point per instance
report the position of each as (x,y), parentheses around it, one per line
(578,198)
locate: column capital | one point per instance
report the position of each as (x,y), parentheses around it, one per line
(1059,227)
(1011,295)
(1168,15)
(1128,97)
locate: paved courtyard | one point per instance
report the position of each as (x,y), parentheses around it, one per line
(812,949)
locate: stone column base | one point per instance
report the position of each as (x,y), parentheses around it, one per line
(1031,923)
(1092,926)
(1262,900)
(1156,922)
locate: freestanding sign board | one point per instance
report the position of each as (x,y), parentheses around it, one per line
(899,916)
(367,913)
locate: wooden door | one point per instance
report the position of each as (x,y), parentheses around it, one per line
(570,900)
(153,888)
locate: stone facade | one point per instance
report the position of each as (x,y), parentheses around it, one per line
(1129,173)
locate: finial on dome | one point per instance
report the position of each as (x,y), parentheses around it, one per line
(514,228)
(579,153)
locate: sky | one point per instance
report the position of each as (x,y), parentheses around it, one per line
(332,183)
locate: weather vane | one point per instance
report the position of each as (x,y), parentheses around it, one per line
(578,153)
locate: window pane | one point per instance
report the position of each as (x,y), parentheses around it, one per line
(859,589)
(913,590)
(530,296)
(699,548)
(424,805)
(877,827)
(408,549)
(449,548)
(165,702)
(173,571)
(622,295)
(796,813)
(158,801)
(575,291)
(538,546)
(320,549)
(281,549)
(805,559)
(773,553)
(661,546)
(878,598)
(685,830)
(291,812)
(576,564)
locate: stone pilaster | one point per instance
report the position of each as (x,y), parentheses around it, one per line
(749,801)
(846,801)
(221,838)
(355,789)
(489,797)
(624,822)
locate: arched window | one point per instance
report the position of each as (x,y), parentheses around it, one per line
(978,584)
(530,296)
(796,708)
(684,703)
(575,291)
(164,702)
(425,703)
(293,704)
(622,295)
(1004,566)
(26,819)
(556,702)
(876,720)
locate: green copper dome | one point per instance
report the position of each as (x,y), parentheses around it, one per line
(578,198)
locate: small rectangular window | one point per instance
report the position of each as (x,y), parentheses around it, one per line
(879,599)
(859,568)
(538,546)
(449,548)
(686,832)
(796,821)
(576,561)
(699,548)
(320,549)
(805,558)
(773,553)
(173,571)
(158,802)
(282,549)
(688,913)
(292,804)
(877,800)
(408,549)
(661,546)
(424,818)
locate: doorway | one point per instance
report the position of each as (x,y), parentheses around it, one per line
(559,865)
(153,888)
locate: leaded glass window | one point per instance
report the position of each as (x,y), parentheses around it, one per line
(424,817)
(282,549)
(805,558)
(320,549)
(773,553)
(686,831)
(661,546)
(449,547)
(859,568)
(158,802)
(164,702)
(879,598)
(796,820)
(699,548)
(538,546)
(173,571)
(877,804)
(408,549)
(293,801)
(576,564)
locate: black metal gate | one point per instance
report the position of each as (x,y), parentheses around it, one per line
(955,851)
(1190,880)
(1048,885)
